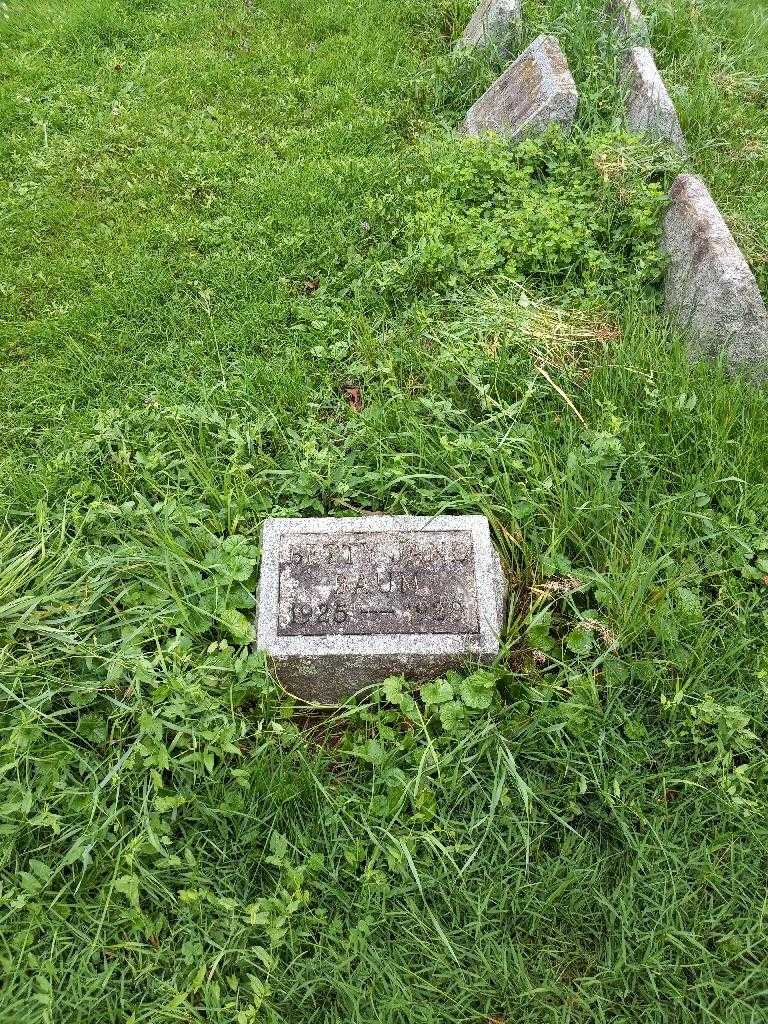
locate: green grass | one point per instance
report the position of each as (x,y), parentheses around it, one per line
(216,218)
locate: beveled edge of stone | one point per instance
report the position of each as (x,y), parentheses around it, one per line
(629,21)
(377,646)
(710,287)
(490,21)
(649,106)
(560,97)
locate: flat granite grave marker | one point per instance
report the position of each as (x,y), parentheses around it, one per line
(344,603)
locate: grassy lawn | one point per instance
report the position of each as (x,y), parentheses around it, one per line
(249,269)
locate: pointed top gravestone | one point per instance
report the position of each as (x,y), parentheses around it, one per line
(650,109)
(710,289)
(491,24)
(535,91)
(629,21)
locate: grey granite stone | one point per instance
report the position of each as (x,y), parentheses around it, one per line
(492,24)
(344,603)
(650,109)
(535,91)
(710,289)
(628,21)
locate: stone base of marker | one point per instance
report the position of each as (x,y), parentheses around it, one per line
(650,109)
(710,289)
(492,24)
(535,91)
(345,603)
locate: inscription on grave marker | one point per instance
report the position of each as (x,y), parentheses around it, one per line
(367,583)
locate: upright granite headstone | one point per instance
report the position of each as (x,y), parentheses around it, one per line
(650,109)
(535,91)
(710,289)
(492,24)
(344,603)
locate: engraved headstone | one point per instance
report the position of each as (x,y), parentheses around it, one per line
(535,91)
(344,603)
(710,289)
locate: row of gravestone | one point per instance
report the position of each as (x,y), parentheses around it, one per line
(710,289)
(344,603)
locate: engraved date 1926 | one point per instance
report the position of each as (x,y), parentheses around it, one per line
(323,614)
(333,613)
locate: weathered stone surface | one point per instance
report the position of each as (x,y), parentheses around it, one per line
(344,603)
(650,109)
(535,91)
(492,24)
(628,21)
(710,289)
